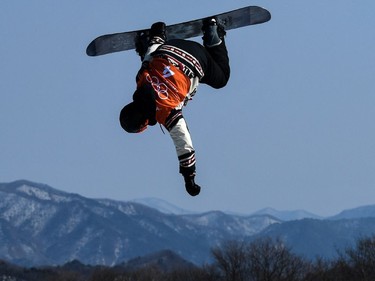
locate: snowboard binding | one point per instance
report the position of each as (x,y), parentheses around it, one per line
(213,32)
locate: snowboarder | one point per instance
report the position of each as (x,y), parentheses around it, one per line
(168,79)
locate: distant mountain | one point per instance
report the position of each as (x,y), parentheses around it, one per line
(287,215)
(162,206)
(41,225)
(165,261)
(158,263)
(312,238)
(360,212)
(168,208)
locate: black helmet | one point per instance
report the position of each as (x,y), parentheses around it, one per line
(135,116)
(132,120)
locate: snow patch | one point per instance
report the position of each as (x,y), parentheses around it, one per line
(128,209)
(162,206)
(42,194)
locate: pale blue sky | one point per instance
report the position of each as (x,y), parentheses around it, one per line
(293,129)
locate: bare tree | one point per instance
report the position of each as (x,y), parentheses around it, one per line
(359,261)
(270,260)
(230,258)
(190,274)
(103,274)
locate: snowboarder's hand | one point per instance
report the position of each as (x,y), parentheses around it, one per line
(141,44)
(191,187)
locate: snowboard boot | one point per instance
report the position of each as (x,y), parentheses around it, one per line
(158,33)
(213,32)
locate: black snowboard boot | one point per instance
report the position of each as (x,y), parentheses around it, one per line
(158,33)
(213,32)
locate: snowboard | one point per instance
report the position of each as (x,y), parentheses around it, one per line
(123,41)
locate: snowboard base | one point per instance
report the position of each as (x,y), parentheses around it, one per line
(123,41)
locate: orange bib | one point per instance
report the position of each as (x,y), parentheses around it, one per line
(171,86)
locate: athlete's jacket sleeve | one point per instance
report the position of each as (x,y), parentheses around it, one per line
(179,132)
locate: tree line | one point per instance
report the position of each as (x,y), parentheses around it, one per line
(265,259)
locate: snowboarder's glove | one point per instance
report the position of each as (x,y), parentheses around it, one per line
(141,44)
(143,40)
(191,187)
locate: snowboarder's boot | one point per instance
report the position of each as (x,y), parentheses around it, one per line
(213,32)
(158,33)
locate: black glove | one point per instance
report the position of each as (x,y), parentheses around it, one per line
(144,39)
(141,44)
(191,187)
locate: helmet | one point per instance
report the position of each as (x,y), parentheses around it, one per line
(135,116)
(132,119)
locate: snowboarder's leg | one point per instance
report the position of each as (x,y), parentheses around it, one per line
(217,71)
(214,61)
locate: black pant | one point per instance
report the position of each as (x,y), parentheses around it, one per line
(214,61)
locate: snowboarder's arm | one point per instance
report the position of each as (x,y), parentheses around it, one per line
(184,146)
(180,134)
(144,50)
(146,44)
(146,57)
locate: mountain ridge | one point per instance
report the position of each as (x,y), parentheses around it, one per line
(52,227)
(40,225)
